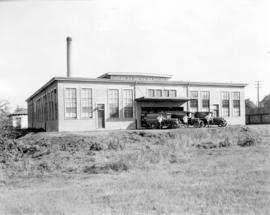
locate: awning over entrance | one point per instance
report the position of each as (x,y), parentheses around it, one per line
(162,99)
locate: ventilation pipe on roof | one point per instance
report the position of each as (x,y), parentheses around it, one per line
(69,40)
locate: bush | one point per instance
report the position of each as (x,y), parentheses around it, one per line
(248,138)
(115,144)
(95,147)
(117,166)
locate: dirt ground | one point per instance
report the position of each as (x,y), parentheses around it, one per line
(149,172)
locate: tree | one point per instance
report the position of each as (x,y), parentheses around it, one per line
(4,111)
(250,106)
(265,103)
(4,107)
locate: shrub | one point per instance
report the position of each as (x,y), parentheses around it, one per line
(117,166)
(95,147)
(115,144)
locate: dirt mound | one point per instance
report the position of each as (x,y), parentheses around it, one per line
(41,153)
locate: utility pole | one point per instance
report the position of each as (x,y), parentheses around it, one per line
(258,86)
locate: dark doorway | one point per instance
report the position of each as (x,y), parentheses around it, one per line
(101,116)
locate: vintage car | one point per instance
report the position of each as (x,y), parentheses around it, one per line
(192,121)
(151,121)
(219,121)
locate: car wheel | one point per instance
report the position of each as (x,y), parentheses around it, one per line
(202,124)
(196,124)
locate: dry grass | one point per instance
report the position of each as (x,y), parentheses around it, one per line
(164,172)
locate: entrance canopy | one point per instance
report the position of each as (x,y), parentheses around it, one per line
(162,99)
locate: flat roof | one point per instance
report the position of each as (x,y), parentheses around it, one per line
(103,80)
(105,75)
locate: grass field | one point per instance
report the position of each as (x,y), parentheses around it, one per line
(154,172)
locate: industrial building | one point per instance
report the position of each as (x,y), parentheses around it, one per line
(120,100)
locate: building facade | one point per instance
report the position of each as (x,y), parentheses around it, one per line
(19,119)
(119,100)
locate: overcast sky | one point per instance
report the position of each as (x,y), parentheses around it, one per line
(195,40)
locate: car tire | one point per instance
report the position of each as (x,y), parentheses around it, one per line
(196,124)
(202,124)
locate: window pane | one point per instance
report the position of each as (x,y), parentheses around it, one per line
(114,103)
(172,93)
(166,93)
(194,105)
(128,103)
(225,103)
(193,94)
(158,93)
(236,103)
(86,103)
(55,103)
(70,103)
(151,92)
(205,96)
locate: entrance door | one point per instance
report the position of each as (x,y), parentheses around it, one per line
(101,116)
(216,110)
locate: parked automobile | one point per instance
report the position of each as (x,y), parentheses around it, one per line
(192,121)
(219,121)
(151,121)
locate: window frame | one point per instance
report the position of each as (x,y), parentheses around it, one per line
(76,104)
(108,103)
(227,101)
(205,97)
(91,103)
(157,91)
(236,99)
(148,94)
(170,93)
(124,104)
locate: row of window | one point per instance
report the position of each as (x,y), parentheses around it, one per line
(113,102)
(45,108)
(225,98)
(71,103)
(87,103)
(161,93)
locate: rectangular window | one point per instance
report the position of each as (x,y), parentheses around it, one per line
(205,97)
(55,103)
(49,106)
(70,103)
(158,93)
(151,92)
(52,105)
(114,103)
(194,105)
(166,93)
(194,94)
(172,93)
(194,101)
(86,103)
(44,107)
(128,103)
(236,103)
(225,96)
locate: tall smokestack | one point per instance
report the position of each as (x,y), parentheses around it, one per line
(69,40)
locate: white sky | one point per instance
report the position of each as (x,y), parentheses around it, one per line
(195,40)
